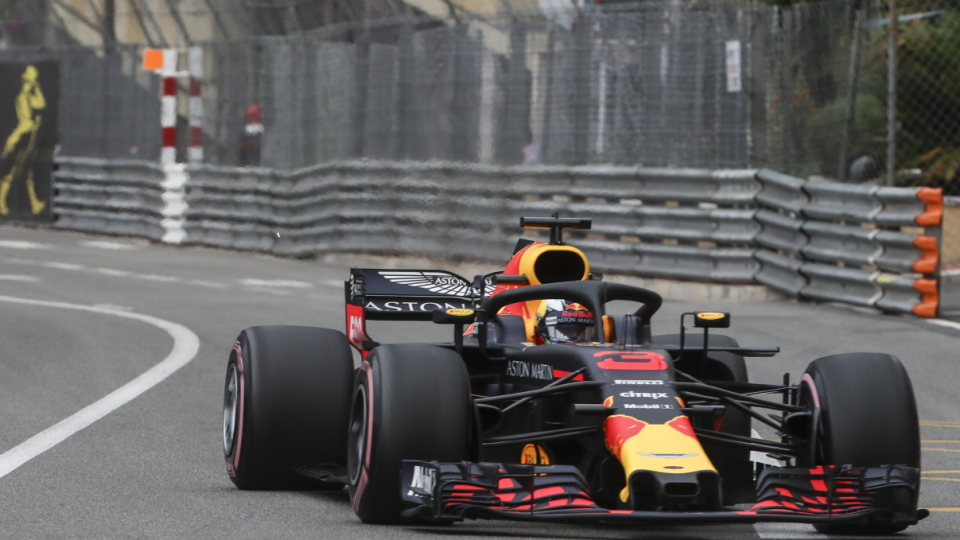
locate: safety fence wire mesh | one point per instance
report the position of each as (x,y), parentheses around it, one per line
(594,86)
(709,83)
(109,107)
(928,94)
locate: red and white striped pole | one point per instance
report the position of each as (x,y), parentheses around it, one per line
(195,111)
(168,108)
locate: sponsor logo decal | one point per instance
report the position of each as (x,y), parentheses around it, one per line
(710,316)
(518,368)
(408,307)
(668,456)
(436,282)
(574,313)
(424,478)
(356,330)
(534,454)
(631,360)
(639,381)
(646,406)
(649,395)
(459,312)
(356,333)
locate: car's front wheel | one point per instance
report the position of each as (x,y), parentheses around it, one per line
(410,401)
(868,417)
(286,402)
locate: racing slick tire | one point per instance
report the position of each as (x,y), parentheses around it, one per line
(733,464)
(286,405)
(410,401)
(868,417)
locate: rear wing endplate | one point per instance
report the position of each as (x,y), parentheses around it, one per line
(402,295)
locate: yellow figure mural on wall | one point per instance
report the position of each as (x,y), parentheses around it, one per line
(21,144)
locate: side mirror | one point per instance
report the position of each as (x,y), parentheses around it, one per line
(458,318)
(454,316)
(711,319)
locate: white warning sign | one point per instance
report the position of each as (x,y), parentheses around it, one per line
(734,80)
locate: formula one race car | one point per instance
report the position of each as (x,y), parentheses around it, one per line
(545,408)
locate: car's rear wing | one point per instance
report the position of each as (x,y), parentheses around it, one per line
(402,295)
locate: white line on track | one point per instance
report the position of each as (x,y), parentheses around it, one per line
(105,244)
(155,277)
(112,272)
(210,284)
(275,283)
(18,277)
(22,244)
(787,531)
(185,347)
(63,266)
(941,322)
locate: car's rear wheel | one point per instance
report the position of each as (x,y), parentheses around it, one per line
(286,404)
(868,417)
(410,401)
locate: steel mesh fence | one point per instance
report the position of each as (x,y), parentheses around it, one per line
(592,87)
(109,107)
(715,84)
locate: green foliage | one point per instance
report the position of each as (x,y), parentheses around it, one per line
(867,133)
(928,96)
(9,10)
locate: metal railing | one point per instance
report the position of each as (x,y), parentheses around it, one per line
(875,247)
(645,83)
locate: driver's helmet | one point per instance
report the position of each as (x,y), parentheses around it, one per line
(559,321)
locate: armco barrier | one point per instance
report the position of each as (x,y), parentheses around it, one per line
(781,192)
(828,283)
(900,295)
(832,243)
(471,212)
(906,252)
(817,240)
(830,201)
(780,272)
(906,207)
(827,241)
(780,232)
(115,196)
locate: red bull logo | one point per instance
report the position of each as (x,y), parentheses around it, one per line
(576,310)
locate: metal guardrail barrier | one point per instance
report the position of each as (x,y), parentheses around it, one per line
(841,239)
(114,196)
(811,239)
(436,209)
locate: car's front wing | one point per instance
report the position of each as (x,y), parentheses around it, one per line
(446,492)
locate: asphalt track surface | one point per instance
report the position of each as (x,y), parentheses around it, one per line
(82,316)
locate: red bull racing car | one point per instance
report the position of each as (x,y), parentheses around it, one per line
(544,407)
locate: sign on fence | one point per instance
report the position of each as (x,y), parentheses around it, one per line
(734,81)
(29,94)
